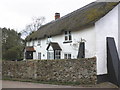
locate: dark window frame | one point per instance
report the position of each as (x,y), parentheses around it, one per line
(68,37)
(57,54)
(66,55)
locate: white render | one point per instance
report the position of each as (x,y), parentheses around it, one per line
(88,34)
(119,30)
(105,27)
(94,38)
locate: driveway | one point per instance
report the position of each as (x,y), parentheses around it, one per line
(17,84)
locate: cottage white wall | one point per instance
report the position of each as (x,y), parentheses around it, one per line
(95,38)
(41,49)
(105,27)
(88,34)
(119,30)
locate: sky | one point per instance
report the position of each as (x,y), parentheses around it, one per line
(16,14)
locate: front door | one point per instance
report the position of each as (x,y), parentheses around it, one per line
(29,55)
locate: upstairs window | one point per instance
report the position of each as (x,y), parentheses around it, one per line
(28,43)
(39,42)
(68,36)
(33,43)
(49,39)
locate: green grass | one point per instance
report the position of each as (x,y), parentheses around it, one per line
(45,82)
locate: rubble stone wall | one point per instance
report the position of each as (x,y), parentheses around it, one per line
(75,70)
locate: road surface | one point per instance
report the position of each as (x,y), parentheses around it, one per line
(17,84)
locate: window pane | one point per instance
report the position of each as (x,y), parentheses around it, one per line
(39,42)
(59,57)
(33,43)
(39,56)
(69,56)
(65,32)
(70,38)
(65,56)
(56,52)
(69,32)
(66,38)
(50,55)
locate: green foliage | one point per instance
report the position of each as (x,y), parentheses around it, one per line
(12,44)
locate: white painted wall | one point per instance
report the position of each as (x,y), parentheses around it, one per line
(88,34)
(105,27)
(119,30)
(95,38)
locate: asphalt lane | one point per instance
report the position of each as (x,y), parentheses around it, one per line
(17,84)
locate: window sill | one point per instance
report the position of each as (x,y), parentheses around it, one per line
(67,42)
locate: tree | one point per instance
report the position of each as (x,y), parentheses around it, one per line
(33,26)
(12,45)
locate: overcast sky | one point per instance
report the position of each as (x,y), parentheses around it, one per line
(17,14)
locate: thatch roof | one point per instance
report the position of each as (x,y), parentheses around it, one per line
(78,19)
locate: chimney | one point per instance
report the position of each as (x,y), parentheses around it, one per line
(57,16)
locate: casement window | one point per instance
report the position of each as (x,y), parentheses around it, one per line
(67,56)
(39,56)
(33,43)
(50,55)
(28,43)
(68,36)
(49,39)
(57,54)
(39,42)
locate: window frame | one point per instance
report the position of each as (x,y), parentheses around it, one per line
(49,39)
(50,55)
(39,55)
(67,56)
(33,43)
(39,43)
(57,54)
(28,43)
(68,36)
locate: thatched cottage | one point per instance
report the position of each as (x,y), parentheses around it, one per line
(83,33)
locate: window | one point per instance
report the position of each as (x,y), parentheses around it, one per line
(39,42)
(28,43)
(39,56)
(57,54)
(67,56)
(33,43)
(68,36)
(49,39)
(50,55)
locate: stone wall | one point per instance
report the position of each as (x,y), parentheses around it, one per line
(77,70)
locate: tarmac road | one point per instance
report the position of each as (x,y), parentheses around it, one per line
(17,84)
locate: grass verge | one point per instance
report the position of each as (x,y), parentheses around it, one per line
(47,82)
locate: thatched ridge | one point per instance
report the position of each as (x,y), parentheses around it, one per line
(76,20)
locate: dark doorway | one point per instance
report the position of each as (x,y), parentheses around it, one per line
(29,55)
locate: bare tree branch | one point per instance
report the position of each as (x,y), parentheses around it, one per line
(36,23)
